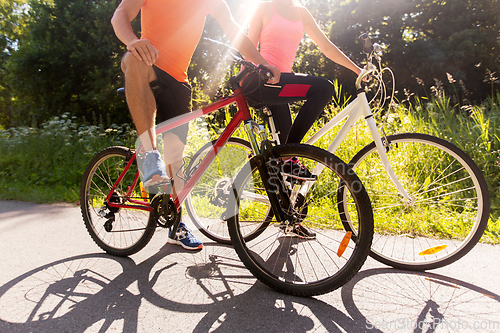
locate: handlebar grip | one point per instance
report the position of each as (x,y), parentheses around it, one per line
(265,73)
(367,43)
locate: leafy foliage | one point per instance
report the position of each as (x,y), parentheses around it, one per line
(62,55)
(11,26)
(67,61)
(427,39)
(49,161)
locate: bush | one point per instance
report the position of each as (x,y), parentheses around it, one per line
(53,157)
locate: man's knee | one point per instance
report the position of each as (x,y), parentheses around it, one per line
(125,60)
(130,65)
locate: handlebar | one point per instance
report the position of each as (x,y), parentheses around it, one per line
(365,73)
(373,73)
(264,73)
(371,50)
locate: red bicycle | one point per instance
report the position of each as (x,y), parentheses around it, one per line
(262,204)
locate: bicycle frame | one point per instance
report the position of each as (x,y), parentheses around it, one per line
(353,112)
(242,115)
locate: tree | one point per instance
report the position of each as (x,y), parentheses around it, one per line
(68,61)
(426,39)
(62,56)
(11,25)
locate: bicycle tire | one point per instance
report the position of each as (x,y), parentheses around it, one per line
(298,266)
(130,229)
(450,202)
(205,204)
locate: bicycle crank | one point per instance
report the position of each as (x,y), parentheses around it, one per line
(164,210)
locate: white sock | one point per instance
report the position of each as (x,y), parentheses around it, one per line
(146,141)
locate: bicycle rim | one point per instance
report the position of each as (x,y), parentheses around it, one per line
(301,265)
(449,206)
(118,231)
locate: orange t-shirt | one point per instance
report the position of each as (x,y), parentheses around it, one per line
(175,27)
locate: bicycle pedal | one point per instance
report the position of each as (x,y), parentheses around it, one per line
(286,228)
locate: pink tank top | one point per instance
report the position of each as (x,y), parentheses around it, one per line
(279,41)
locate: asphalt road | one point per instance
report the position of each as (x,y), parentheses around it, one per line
(53,278)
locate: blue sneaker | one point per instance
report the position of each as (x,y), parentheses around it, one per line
(185,238)
(153,169)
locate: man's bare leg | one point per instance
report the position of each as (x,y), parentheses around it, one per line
(142,106)
(140,98)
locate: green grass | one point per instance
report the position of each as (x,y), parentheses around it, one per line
(474,129)
(17,190)
(46,164)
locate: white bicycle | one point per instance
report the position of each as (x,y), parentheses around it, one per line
(430,200)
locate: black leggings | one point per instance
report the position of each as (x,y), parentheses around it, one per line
(292,87)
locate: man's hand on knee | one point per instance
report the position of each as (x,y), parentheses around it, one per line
(143,50)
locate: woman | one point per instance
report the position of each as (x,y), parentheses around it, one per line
(279,26)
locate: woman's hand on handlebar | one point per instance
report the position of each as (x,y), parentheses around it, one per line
(367,76)
(275,74)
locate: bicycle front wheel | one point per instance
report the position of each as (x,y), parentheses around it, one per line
(118,231)
(310,254)
(207,203)
(449,206)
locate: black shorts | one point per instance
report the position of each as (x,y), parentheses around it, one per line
(173,98)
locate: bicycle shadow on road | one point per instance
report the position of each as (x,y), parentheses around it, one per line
(211,290)
(71,294)
(98,292)
(217,284)
(404,301)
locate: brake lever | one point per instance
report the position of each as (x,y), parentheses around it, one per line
(264,73)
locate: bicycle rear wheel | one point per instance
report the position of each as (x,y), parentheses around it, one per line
(449,205)
(208,201)
(118,231)
(302,263)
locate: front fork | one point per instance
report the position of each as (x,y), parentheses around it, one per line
(382,145)
(269,169)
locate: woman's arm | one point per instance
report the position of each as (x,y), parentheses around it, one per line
(256,24)
(326,46)
(240,41)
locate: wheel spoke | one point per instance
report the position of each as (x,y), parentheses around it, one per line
(299,255)
(449,206)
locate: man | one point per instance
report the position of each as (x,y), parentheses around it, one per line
(155,69)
